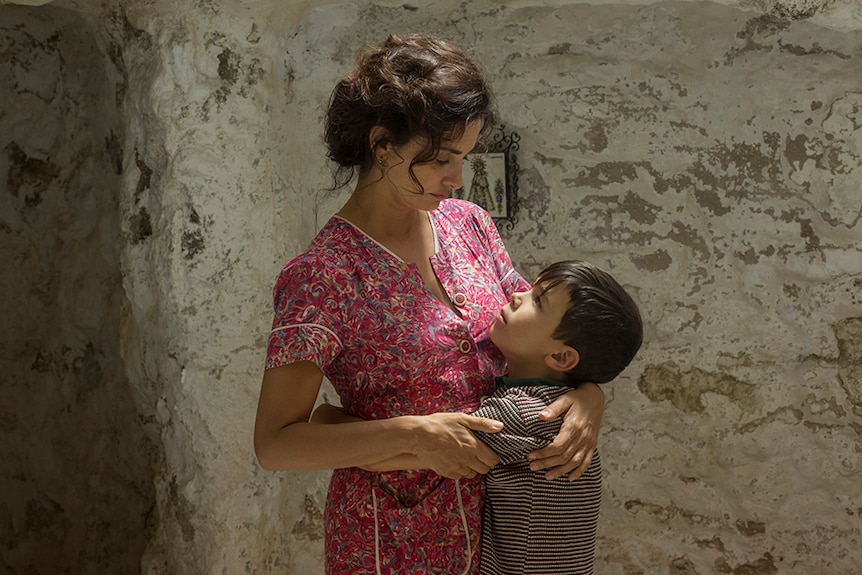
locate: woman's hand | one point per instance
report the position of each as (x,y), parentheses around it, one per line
(446,445)
(572,450)
(447,451)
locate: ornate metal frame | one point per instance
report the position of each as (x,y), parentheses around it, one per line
(507,144)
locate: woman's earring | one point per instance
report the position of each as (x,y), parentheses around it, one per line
(382,161)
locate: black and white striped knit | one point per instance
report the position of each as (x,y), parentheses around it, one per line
(533,526)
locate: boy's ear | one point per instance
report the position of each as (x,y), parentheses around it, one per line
(564,359)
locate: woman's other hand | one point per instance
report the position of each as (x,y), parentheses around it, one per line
(445,444)
(572,450)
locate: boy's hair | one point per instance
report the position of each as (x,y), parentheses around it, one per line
(602,321)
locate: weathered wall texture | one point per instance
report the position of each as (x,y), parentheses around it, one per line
(713,160)
(710,157)
(76,480)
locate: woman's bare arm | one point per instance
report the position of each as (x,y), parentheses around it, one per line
(285,439)
(326,413)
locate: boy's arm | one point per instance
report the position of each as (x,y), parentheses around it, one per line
(571,452)
(523,430)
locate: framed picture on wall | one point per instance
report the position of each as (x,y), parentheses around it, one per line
(491,178)
(485,182)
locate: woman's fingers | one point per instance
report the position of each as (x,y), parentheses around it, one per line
(582,468)
(572,450)
(483,424)
(452,450)
(486,458)
(557,465)
(560,406)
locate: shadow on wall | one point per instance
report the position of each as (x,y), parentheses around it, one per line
(76,480)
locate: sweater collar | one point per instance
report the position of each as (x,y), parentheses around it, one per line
(505,381)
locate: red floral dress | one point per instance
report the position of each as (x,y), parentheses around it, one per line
(390,348)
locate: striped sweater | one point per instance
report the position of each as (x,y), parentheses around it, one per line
(533,526)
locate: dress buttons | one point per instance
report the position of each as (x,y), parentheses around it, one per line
(464,346)
(459,299)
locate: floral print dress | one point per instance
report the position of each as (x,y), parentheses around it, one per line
(391,348)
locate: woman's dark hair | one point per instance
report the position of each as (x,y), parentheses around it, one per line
(602,321)
(413,86)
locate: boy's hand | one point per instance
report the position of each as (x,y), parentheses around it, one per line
(572,450)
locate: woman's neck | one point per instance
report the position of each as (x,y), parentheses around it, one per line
(383,219)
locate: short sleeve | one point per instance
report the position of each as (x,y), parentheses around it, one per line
(306,315)
(510,280)
(523,431)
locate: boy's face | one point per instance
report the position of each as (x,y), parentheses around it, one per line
(524,326)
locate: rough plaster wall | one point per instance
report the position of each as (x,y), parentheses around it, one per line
(711,159)
(76,481)
(200,206)
(708,156)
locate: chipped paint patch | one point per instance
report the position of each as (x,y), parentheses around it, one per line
(685,389)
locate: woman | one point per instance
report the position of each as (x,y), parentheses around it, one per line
(392,302)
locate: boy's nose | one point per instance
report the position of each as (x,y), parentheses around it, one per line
(516,299)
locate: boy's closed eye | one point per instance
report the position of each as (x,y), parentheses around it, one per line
(539,295)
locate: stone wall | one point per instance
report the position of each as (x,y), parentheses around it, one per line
(708,156)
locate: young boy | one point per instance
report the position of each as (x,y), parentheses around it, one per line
(575,325)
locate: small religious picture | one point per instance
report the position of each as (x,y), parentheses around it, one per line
(485,183)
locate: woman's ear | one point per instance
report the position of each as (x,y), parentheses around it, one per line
(564,359)
(379,141)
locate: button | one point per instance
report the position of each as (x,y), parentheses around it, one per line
(464,346)
(460,299)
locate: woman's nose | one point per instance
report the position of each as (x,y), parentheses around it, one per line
(455,179)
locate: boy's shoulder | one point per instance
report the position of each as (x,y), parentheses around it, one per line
(541,388)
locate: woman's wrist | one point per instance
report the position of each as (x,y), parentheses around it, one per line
(413,433)
(593,393)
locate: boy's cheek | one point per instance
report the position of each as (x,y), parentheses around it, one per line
(494,333)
